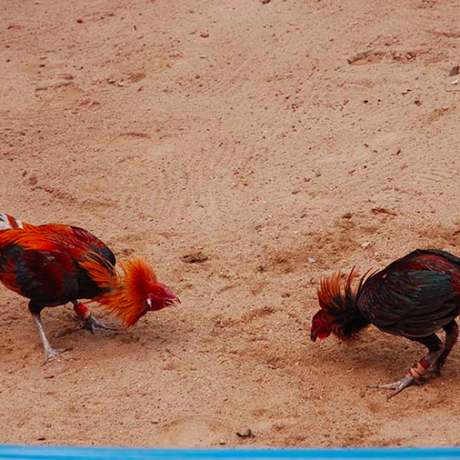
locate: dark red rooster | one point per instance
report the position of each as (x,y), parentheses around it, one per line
(413,297)
(55,264)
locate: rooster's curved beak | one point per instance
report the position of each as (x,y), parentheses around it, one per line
(177,300)
(174,301)
(313,336)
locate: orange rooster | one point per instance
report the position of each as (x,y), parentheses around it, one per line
(54,264)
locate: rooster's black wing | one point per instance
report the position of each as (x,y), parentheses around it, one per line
(409,302)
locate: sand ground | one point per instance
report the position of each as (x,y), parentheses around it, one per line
(246,149)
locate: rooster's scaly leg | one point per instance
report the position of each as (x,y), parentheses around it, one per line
(90,322)
(415,373)
(451,339)
(50,352)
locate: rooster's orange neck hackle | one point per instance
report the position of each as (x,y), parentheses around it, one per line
(338,302)
(125,294)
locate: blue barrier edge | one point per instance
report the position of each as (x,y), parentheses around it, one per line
(100,453)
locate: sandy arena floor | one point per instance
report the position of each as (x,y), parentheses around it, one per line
(246,149)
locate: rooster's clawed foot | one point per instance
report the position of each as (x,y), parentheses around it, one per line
(398,386)
(52,353)
(92,324)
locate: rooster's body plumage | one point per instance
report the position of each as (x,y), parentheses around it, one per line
(45,263)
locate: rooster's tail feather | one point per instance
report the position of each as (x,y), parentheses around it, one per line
(7,222)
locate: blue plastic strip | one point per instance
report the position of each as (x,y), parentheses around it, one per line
(87,453)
